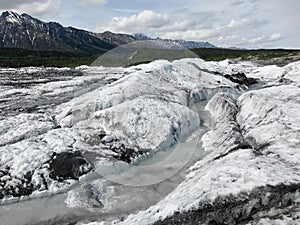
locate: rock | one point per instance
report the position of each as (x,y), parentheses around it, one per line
(68,165)
(240,209)
(241,79)
(14,186)
(122,152)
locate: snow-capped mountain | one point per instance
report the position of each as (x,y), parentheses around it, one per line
(219,141)
(178,43)
(24,31)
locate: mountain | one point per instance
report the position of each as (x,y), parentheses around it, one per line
(179,43)
(115,39)
(24,31)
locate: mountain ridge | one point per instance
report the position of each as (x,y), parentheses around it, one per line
(180,42)
(24,31)
(27,32)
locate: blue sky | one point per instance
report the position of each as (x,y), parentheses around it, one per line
(225,23)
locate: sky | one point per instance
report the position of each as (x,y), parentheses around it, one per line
(224,23)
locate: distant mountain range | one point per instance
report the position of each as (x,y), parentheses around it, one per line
(180,43)
(24,31)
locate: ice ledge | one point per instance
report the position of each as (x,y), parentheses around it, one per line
(247,184)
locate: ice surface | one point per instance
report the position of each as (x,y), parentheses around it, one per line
(253,139)
(147,107)
(253,143)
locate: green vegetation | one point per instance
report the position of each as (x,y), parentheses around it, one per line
(14,57)
(217,54)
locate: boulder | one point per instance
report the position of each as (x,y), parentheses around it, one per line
(68,165)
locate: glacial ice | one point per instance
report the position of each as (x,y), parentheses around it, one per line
(252,142)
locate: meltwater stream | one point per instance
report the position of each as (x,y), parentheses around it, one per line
(118,200)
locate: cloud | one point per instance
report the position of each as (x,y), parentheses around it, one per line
(144,20)
(236,2)
(241,2)
(153,23)
(216,31)
(14,4)
(276,36)
(246,24)
(234,24)
(192,34)
(32,7)
(92,2)
(196,26)
(127,10)
(259,41)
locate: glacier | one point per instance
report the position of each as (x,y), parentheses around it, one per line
(227,131)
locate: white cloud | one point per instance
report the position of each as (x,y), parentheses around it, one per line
(127,10)
(145,20)
(153,23)
(241,2)
(14,4)
(236,2)
(234,24)
(196,26)
(246,24)
(251,42)
(276,36)
(33,7)
(39,8)
(192,34)
(92,2)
